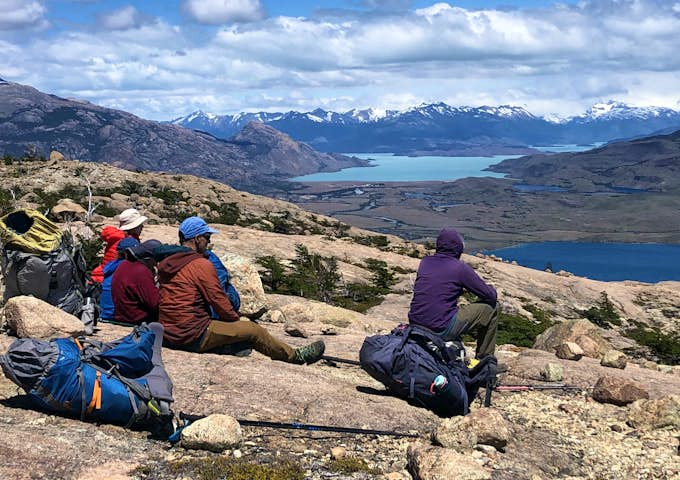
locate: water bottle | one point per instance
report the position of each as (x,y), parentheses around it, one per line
(439,384)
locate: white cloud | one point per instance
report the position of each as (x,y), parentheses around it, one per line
(553,60)
(15,14)
(122,19)
(218,12)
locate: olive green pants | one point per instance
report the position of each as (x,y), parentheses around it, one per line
(480,320)
(221,333)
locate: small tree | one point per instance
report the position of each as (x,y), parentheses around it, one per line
(603,314)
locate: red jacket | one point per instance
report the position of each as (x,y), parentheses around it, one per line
(189,285)
(134,292)
(111,236)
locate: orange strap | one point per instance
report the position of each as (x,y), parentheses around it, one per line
(80,347)
(96,401)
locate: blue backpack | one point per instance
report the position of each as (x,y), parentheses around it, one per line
(121,382)
(414,363)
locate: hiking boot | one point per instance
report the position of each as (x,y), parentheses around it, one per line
(310,353)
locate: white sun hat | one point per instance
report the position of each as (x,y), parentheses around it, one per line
(131,218)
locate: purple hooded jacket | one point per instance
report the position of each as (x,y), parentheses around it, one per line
(441,279)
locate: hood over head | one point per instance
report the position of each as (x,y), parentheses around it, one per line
(450,242)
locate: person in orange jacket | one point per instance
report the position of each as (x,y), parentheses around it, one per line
(131,224)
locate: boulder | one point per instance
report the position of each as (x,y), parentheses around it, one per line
(425,462)
(295,330)
(569,351)
(552,372)
(618,391)
(657,413)
(248,283)
(312,311)
(485,426)
(274,316)
(215,433)
(67,208)
(56,156)
(614,359)
(585,334)
(30,317)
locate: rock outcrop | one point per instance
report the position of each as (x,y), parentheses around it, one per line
(30,317)
(581,332)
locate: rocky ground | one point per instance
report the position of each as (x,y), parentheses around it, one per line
(525,435)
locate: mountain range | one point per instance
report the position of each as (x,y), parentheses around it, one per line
(259,155)
(443,129)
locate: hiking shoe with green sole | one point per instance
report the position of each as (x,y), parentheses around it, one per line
(310,353)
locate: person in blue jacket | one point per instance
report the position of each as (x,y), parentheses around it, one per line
(441,279)
(106,308)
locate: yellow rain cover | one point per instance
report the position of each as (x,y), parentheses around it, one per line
(29,231)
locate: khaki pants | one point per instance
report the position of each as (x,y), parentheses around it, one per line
(481,320)
(220,333)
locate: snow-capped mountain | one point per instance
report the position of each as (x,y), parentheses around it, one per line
(441,127)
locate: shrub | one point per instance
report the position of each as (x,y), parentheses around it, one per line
(665,346)
(274,277)
(91,249)
(602,313)
(351,465)
(519,330)
(382,279)
(224,213)
(220,467)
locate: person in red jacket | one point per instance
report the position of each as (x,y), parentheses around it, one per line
(189,286)
(133,288)
(131,223)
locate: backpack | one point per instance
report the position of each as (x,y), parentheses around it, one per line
(414,363)
(39,259)
(121,382)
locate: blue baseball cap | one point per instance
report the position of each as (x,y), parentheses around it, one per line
(126,242)
(192,227)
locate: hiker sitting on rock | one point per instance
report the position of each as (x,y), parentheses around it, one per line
(441,280)
(134,290)
(131,223)
(106,304)
(189,286)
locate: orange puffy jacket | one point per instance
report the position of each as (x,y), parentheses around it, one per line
(111,236)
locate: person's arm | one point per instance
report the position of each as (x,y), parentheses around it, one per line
(211,289)
(473,282)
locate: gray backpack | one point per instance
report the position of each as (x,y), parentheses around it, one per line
(39,259)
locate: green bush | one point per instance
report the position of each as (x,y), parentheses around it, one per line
(220,467)
(351,465)
(274,277)
(91,249)
(224,213)
(382,279)
(664,346)
(602,313)
(519,330)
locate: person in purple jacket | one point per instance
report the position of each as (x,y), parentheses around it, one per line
(441,280)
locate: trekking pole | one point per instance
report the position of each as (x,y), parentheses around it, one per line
(526,388)
(304,426)
(340,360)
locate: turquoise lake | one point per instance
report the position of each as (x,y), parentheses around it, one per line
(386,167)
(645,262)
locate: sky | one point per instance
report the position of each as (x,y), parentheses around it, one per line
(162,59)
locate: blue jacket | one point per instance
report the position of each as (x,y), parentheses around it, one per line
(106,300)
(223,275)
(441,280)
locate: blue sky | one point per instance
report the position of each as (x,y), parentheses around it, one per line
(161,59)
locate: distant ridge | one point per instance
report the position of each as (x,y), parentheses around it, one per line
(441,128)
(84,131)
